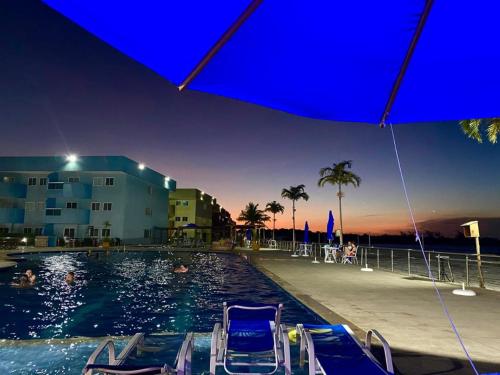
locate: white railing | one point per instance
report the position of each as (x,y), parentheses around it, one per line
(445,266)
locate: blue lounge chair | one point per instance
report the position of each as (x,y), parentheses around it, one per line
(116,364)
(333,349)
(250,337)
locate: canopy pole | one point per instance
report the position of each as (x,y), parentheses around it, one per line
(220,43)
(406,61)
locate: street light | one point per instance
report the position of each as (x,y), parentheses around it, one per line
(71,158)
(141,166)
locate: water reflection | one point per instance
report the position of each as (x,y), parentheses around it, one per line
(122,293)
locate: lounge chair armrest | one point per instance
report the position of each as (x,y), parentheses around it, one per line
(108,343)
(185,355)
(215,347)
(135,342)
(285,346)
(306,345)
(385,344)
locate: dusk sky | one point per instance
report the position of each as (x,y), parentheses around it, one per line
(62,90)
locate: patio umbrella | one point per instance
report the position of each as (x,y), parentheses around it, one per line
(329,227)
(355,61)
(248,234)
(306,233)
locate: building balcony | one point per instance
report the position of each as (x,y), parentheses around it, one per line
(66,216)
(69,190)
(12,190)
(11,215)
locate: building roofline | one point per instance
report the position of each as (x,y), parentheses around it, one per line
(60,163)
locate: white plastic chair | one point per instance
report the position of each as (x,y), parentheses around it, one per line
(330,253)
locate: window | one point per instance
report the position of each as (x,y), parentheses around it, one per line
(40,206)
(69,232)
(32,181)
(148,211)
(106,206)
(29,206)
(72,205)
(53,212)
(56,185)
(94,232)
(43,181)
(38,231)
(147,233)
(177,218)
(9,180)
(185,203)
(97,181)
(4,230)
(106,232)
(178,203)
(96,206)
(150,190)
(110,181)
(184,218)
(73,179)
(27,231)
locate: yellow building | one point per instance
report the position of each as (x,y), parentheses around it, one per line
(188,207)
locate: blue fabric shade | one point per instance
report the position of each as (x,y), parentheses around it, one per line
(306,233)
(339,354)
(329,227)
(250,336)
(335,60)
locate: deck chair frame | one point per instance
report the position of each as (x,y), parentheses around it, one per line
(219,353)
(182,362)
(314,366)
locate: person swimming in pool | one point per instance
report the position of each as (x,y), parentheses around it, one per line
(181,269)
(23,282)
(70,278)
(31,276)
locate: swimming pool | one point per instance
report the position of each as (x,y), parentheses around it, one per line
(120,294)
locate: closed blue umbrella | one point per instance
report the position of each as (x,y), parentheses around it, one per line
(329,227)
(306,233)
(249,234)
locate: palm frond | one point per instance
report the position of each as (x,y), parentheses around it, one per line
(295,193)
(493,130)
(274,207)
(471,128)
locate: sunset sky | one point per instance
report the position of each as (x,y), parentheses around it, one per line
(63,90)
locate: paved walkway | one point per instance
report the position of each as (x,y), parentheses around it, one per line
(405,311)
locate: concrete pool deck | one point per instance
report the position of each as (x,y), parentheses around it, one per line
(406,311)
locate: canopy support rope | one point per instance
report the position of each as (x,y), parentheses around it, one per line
(418,239)
(406,61)
(220,43)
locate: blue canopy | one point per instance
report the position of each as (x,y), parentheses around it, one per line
(329,227)
(356,61)
(306,233)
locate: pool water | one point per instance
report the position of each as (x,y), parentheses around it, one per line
(120,294)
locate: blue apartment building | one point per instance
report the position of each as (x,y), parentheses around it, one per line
(82,197)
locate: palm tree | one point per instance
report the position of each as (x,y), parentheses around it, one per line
(275,208)
(338,175)
(472,128)
(294,194)
(253,216)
